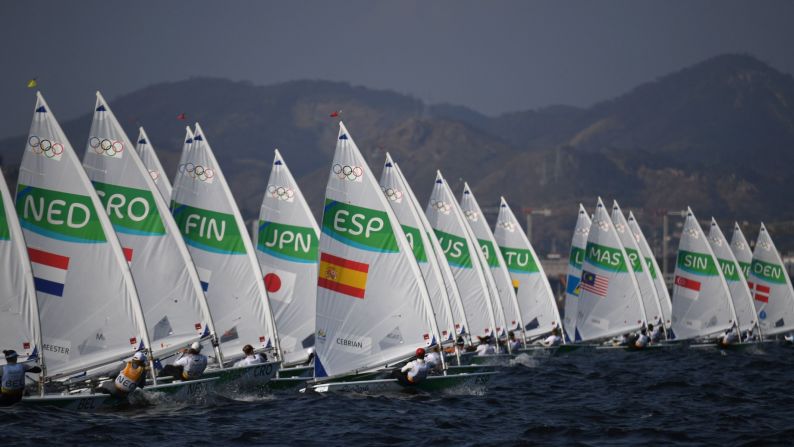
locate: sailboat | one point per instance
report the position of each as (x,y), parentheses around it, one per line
(653,268)
(609,298)
(503,294)
(650,298)
(150,160)
(574,274)
(19,314)
(538,311)
(737,283)
(702,305)
(218,242)
(287,240)
(771,287)
(373,309)
(741,250)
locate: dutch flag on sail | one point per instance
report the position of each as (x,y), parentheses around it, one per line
(49,271)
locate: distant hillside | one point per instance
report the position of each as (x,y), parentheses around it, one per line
(718,136)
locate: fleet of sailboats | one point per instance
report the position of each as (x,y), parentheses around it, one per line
(104,259)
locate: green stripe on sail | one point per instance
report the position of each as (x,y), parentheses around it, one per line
(360,227)
(576,258)
(604,257)
(455,249)
(5,234)
(519,260)
(729,270)
(415,239)
(131,210)
(60,215)
(634,257)
(651,267)
(290,242)
(488,251)
(697,263)
(209,230)
(745,268)
(773,273)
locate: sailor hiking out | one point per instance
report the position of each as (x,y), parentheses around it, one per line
(130,378)
(415,371)
(189,366)
(13,379)
(251,358)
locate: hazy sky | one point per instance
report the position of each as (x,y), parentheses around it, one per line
(493,56)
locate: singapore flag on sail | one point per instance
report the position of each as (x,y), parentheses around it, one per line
(280,284)
(686,288)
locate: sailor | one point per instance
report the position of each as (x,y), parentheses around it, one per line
(730,337)
(485,348)
(656,332)
(513,342)
(131,377)
(189,366)
(554,339)
(251,358)
(460,345)
(749,335)
(642,339)
(433,359)
(310,353)
(415,371)
(13,379)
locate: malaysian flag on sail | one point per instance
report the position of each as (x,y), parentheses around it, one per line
(595,284)
(49,271)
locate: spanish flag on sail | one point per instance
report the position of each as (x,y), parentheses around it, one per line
(342,275)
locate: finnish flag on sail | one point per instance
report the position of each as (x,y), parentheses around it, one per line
(49,271)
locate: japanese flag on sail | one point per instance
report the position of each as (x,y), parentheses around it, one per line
(686,288)
(49,271)
(280,284)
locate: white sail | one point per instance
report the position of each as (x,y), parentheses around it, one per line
(701,300)
(168,285)
(88,306)
(503,295)
(771,287)
(575,264)
(446,218)
(287,242)
(183,160)
(737,283)
(537,307)
(372,304)
(19,314)
(741,250)
(650,299)
(149,158)
(218,242)
(401,200)
(653,268)
(609,300)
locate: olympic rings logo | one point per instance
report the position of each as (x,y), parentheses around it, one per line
(603,225)
(45,147)
(507,225)
(281,192)
(765,245)
(636,237)
(345,172)
(392,194)
(620,228)
(739,245)
(471,215)
(197,172)
(693,233)
(583,230)
(104,146)
(716,241)
(442,207)
(154,174)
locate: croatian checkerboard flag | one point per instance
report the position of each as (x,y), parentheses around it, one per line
(49,271)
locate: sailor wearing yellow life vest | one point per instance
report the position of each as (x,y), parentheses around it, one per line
(131,377)
(13,379)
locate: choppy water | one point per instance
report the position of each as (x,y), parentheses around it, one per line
(685,397)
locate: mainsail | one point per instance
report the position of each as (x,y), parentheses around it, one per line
(737,283)
(741,250)
(372,304)
(771,287)
(152,163)
(496,275)
(287,242)
(402,203)
(701,300)
(575,264)
(88,306)
(609,301)
(650,299)
(19,314)
(653,268)
(168,285)
(218,242)
(538,309)
(446,218)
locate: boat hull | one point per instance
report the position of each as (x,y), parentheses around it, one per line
(381,386)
